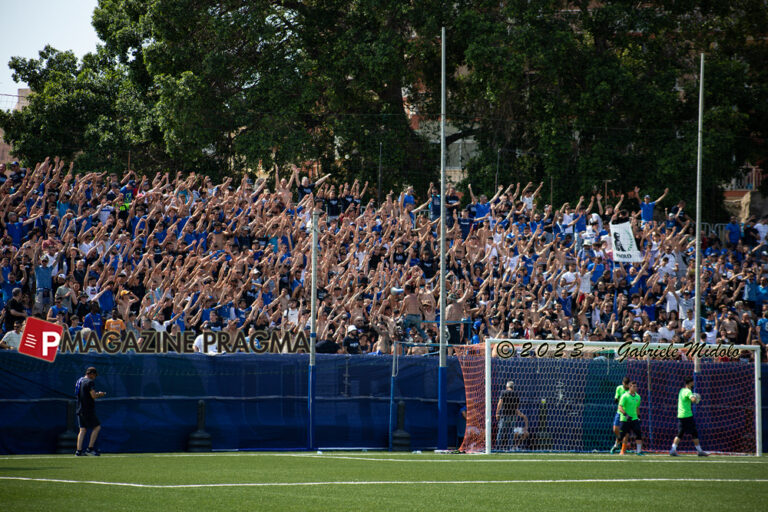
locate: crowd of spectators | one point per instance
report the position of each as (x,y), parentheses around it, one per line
(173,253)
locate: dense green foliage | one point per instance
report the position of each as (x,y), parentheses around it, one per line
(569,92)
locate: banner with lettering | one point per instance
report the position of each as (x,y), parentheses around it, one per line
(623,242)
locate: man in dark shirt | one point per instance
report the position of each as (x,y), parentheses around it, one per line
(352,341)
(86,411)
(452,201)
(434,202)
(678,211)
(14,310)
(93,319)
(516,331)
(465,223)
(507,411)
(327,346)
(332,206)
(305,187)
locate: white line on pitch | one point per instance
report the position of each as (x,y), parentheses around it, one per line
(387,482)
(659,459)
(649,458)
(162,455)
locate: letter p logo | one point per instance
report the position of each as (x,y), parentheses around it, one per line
(50,340)
(40,339)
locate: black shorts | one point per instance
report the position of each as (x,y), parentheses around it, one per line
(687,426)
(88,420)
(632,426)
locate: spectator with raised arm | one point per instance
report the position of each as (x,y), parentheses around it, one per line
(647,206)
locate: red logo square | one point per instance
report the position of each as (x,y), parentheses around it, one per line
(40,339)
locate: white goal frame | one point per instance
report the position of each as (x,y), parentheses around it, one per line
(614,345)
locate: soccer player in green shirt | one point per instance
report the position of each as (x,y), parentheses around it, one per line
(630,422)
(620,390)
(685,422)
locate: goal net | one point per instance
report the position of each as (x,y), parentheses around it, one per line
(562,396)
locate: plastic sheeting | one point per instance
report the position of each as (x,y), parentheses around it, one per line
(252,401)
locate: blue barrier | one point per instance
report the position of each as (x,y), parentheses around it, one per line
(253,401)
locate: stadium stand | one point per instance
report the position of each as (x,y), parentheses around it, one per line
(177,253)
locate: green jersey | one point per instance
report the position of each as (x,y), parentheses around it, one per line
(630,405)
(684,403)
(619,393)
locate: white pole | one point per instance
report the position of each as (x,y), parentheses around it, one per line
(697,315)
(488,404)
(442,211)
(758,404)
(312,339)
(379,192)
(442,384)
(313,303)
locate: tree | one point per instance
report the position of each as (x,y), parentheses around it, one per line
(247,85)
(578,92)
(587,92)
(87,111)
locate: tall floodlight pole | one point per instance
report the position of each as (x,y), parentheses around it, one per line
(442,385)
(697,326)
(312,338)
(551,190)
(380,147)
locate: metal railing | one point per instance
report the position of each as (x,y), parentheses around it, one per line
(717,229)
(751,180)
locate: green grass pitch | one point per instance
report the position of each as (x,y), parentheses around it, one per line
(382,481)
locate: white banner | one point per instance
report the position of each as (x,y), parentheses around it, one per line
(623,242)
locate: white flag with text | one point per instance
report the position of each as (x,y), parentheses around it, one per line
(623,241)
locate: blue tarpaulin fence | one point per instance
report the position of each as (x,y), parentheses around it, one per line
(254,402)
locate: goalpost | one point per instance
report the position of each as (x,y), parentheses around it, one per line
(565,391)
